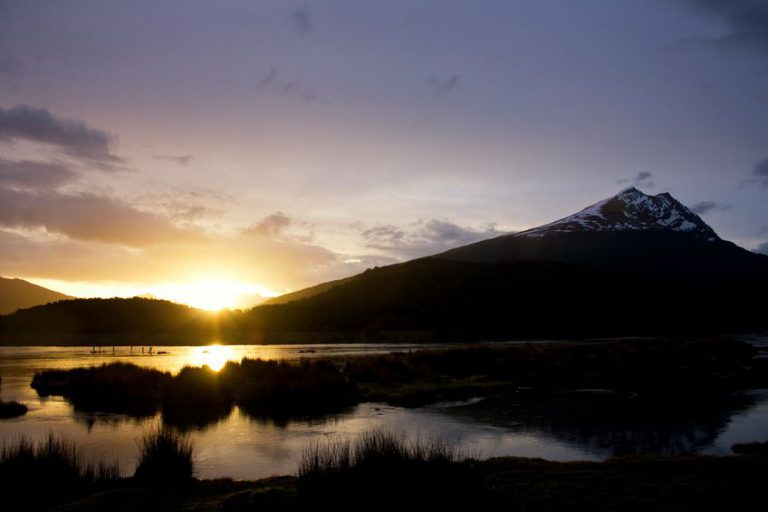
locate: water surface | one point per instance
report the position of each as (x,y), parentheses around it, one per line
(590,426)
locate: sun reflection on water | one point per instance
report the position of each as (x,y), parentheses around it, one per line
(214,356)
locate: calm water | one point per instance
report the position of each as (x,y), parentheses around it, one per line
(582,426)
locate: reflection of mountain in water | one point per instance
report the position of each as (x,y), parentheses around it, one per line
(614,424)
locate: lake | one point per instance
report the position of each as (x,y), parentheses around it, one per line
(591,424)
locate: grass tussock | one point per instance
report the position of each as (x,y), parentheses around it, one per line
(165,457)
(386,467)
(49,470)
(374,450)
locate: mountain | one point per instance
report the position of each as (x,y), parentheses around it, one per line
(307,292)
(632,232)
(629,210)
(632,264)
(115,321)
(17,293)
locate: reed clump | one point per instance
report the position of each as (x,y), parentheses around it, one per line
(386,467)
(166,456)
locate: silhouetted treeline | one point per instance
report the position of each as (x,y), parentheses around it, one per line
(118,321)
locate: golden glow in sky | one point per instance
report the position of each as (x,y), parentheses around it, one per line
(211,294)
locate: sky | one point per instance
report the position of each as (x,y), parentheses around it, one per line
(190,148)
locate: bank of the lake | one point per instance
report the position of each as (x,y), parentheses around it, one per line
(681,483)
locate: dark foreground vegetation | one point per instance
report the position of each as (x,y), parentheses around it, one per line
(47,472)
(652,370)
(379,471)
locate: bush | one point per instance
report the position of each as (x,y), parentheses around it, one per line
(166,456)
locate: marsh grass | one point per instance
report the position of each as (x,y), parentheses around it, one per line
(166,456)
(376,449)
(116,387)
(48,470)
(386,467)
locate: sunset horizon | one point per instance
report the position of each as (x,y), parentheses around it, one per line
(377,255)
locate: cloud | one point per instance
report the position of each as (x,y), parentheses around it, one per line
(282,266)
(760,173)
(424,237)
(184,205)
(271,226)
(704,207)
(442,86)
(643,179)
(272,82)
(762,248)
(87,217)
(32,175)
(747,21)
(73,137)
(302,21)
(181,160)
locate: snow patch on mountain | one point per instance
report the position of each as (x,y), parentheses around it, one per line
(629,210)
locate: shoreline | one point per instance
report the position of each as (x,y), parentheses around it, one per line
(683,482)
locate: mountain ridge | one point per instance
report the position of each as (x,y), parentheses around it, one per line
(18,294)
(629,210)
(571,280)
(631,264)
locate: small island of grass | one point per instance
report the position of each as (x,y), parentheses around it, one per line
(12,410)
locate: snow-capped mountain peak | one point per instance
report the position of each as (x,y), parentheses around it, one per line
(630,210)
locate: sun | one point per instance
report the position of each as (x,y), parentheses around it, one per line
(212,294)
